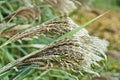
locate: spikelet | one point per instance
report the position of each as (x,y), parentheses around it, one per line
(79,52)
(53,28)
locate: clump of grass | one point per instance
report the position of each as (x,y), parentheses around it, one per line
(72,49)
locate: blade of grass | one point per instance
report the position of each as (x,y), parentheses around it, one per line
(55,70)
(5,74)
(1,2)
(22,73)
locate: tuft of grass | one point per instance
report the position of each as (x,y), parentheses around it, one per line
(10,51)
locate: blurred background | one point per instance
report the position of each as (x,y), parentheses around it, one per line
(107,27)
